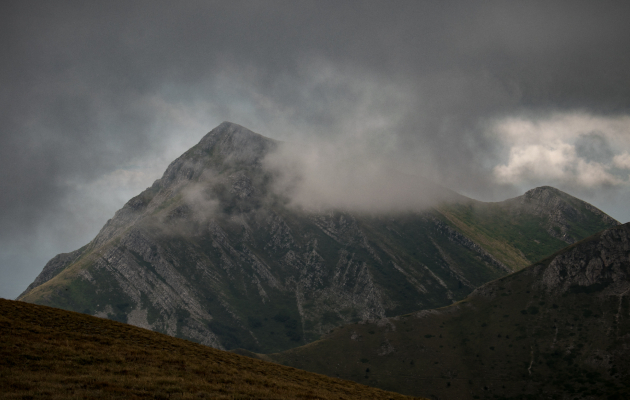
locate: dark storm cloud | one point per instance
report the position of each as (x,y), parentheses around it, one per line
(83,84)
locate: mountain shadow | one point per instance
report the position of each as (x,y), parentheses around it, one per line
(558,329)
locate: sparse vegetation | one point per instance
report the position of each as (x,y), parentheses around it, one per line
(47,353)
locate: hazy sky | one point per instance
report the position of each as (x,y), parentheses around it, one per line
(487,98)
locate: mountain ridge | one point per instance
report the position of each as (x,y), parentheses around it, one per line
(211,253)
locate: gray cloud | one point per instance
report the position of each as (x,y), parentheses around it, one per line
(93,90)
(330,175)
(595,147)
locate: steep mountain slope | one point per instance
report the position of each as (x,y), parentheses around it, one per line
(559,329)
(47,353)
(211,252)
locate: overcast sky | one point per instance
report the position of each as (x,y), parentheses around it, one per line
(488,98)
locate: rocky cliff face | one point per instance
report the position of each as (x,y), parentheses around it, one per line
(592,266)
(558,329)
(212,254)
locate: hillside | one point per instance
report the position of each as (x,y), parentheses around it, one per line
(213,253)
(558,329)
(46,353)
(525,229)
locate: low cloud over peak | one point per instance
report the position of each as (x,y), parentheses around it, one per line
(324,176)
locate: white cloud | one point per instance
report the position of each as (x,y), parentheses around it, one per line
(564,149)
(591,174)
(529,161)
(622,161)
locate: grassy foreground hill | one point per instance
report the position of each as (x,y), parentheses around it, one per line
(47,353)
(558,329)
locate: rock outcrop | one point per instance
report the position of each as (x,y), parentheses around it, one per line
(595,264)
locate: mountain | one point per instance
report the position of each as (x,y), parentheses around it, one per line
(213,252)
(47,353)
(558,329)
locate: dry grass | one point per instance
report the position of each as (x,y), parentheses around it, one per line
(53,354)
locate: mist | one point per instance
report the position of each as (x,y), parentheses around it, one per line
(322,176)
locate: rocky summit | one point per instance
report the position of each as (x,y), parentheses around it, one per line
(558,329)
(213,253)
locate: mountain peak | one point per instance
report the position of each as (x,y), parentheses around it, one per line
(227,144)
(227,128)
(541,190)
(235,142)
(229,131)
(544,194)
(563,211)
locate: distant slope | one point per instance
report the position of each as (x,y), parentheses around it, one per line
(211,253)
(47,353)
(525,229)
(559,329)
